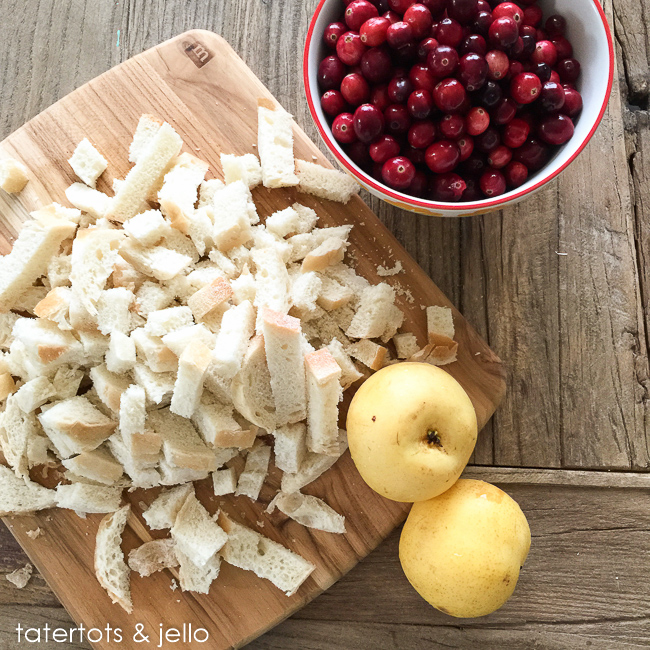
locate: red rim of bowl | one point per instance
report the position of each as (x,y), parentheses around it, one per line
(459,207)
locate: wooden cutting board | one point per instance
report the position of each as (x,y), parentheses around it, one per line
(198,84)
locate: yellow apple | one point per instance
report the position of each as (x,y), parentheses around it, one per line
(411,429)
(463,550)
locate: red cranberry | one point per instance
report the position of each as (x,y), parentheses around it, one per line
(422,134)
(555,26)
(448,188)
(545,52)
(533,153)
(493,183)
(449,95)
(505,111)
(436,7)
(379,97)
(343,128)
(449,32)
(473,43)
(484,5)
(472,191)
(383,148)
(503,32)
(472,71)
(508,10)
(406,54)
(482,22)
(516,68)
(490,95)
(400,6)
(373,31)
(475,164)
(420,104)
(516,173)
(540,35)
(569,70)
(488,140)
(532,16)
(528,30)
(515,133)
(376,65)
(420,20)
(397,119)
(398,172)
(358,152)
(572,102)
(357,12)
(350,49)
(332,34)
(332,102)
(368,122)
(499,157)
(355,89)
(551,98)
(422,78)
(426,46)
(556,129)
(452,126)
(563,47)
(442,156)
(392,17)
(418,186)
(399,89)
(555,77)
(464,11)
(525,88)
(443,61)
(416,156)
(543,71)
(466,147)
(516,50)
(498,64)
(399,34)
(477,121)
(330,72)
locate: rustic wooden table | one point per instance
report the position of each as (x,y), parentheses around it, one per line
(557,285)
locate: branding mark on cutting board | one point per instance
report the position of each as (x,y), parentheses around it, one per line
(197,53)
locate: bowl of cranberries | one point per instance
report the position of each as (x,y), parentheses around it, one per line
(457,107)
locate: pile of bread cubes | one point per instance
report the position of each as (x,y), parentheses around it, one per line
(155,337)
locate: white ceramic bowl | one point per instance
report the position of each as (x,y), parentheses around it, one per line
(589,33)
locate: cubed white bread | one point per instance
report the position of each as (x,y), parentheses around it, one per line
(94,253)
(244,287)
(237,327)
(249,550)
(369,353)
(172,475)
(290,448)
(224,481)
(88,200)
(333,295)
(126,275)
(275,146)
(158,386)
(348,277)
(284,222)
(224,455)
(164,321)
(215,422)
(349,372)
(89,498)
(38,241)
(79,317)
(55,306)
(305,243)
(58,270)
(196,533)
(206,192)
(17,427)
(371,317)
(30,297)
(262,238)
(272,282)
(210,298)
(179,339)
(153,556)
(309,511)
(151,296)
(7,385)
(394,320)
(109,386)
(192,365)
(139,182)
(97,465)
(95,346)
(87,163)
(440,321)
(20,496)
(441,352)
(255,470)
(244,168)
(7,322)
(182,446)
(305,289)
(111,570)
(74,425)
(132,411)
(120,357)
(200,228)
(312,467)
(34,393)
(66,381)
(147,228)
(161,261)
(240,256)
(284,355)
(153,351)
(142,474)
(114,310)
(232,226)
(325,183)
(406,345)
(164,508)
(13,175)
(148,126)
(196,578)
(323,395)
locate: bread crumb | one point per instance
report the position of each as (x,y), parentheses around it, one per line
(20,577)
(142,505)
(384,272)
(174,585)
(260,524)
(37,532)
(401,291)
